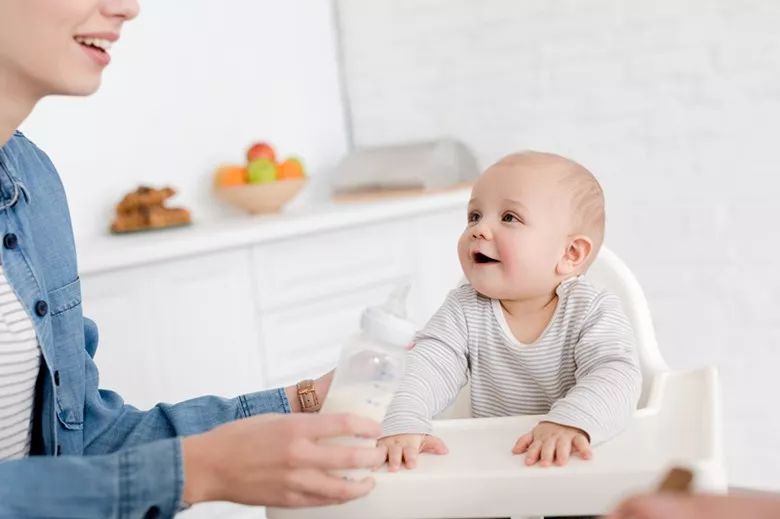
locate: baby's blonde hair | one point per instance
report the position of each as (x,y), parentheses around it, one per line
(587,197)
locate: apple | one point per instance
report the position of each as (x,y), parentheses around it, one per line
(262,171)
(260,150)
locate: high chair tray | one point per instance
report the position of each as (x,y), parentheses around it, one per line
(481,478)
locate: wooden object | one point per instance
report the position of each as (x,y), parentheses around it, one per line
(262,198)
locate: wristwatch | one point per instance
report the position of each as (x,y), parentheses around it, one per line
(307,396)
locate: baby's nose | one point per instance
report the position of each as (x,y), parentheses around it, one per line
(481,231)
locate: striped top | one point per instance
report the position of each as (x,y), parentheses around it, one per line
(19,366)
(581,372)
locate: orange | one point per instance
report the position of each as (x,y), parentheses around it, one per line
(290,169)
(230,176)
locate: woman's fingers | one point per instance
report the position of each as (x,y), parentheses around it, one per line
(328,426)
(328,456)
(317,485)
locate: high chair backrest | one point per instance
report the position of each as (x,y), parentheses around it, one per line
(609,271)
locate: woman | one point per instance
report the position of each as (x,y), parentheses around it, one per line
(661,506)
(68,449)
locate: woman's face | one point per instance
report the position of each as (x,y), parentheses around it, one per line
(58,46)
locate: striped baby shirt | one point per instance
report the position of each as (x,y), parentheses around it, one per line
(581,372)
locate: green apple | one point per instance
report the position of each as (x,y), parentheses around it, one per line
(261,171)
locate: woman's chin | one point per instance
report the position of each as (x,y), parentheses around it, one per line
(85,87)
(82,83)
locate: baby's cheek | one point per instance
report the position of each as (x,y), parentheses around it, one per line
(463,241)
(511,256)
(463,253)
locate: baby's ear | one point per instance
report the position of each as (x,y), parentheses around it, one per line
(576,255)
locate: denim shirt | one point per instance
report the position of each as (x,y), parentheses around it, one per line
(92,454)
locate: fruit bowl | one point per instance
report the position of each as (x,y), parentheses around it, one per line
(263,184)
(261,198)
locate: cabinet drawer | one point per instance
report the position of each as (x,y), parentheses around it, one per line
(305,341)
(331,262)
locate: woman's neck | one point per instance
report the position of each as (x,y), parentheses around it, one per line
(16,103)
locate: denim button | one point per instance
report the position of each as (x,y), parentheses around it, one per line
(10,241)
(152,513)
(41,308)
(57,378)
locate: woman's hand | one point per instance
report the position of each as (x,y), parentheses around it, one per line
(277,460)
(671,506)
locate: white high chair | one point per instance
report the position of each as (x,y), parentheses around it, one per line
(678,423)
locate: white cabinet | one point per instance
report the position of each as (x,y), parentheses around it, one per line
(174,330)
(315,266)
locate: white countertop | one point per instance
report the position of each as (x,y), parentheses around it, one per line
(112,252)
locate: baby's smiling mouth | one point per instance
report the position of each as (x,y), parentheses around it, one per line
(483,258)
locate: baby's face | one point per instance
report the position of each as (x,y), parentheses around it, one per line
(517,231)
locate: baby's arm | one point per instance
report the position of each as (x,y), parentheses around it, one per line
(608,378)
(436,370)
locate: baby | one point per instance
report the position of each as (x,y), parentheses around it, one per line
(529,332)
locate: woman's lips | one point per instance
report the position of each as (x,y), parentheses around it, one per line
(97,45)
(100,56)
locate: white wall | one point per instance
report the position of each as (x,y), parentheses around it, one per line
(676,108)
(191,85)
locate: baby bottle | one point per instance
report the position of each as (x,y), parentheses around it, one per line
(370,367)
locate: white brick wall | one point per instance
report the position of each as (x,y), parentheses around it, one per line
(676,108)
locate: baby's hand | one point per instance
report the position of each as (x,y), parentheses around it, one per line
(406,447)
(550,442)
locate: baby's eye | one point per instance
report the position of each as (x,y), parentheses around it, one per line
(511,218)
(473,217)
